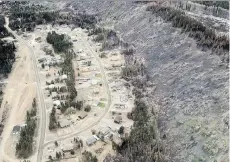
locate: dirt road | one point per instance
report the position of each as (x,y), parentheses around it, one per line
(20,91)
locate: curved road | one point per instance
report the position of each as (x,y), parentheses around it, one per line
(88,46)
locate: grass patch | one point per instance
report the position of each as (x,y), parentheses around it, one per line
(103,99)
(98,75)
(101,104)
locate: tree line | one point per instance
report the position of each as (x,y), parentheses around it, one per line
(26,15)
(60,42)
(206,37)
(7,49)
(222,4)
(63,44)
(24,147)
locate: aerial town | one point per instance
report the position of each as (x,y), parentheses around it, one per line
(136,82)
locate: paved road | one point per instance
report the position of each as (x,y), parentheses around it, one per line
(40,95)
(105,83)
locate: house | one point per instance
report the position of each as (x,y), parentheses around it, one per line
(67,148)
(47,68)
(90,141)
(64,123)
(16,129)
(104,132)
(51,86)
(118,119)
(54,95)
(82,115)
(80,51)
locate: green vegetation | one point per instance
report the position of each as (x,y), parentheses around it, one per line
(222,4)
(7,55)
(3,30)
(205,36)
(128,51)
(107,37)
(63,45)
(67,68)
(25,16)
(132,70)
(53,121)
(89,157)
(60,42)
(24,148)
(121,130)
(101,104)
(142,144)
(88,108)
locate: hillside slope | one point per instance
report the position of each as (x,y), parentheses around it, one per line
(191,95)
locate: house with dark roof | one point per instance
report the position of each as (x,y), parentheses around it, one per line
(16,129)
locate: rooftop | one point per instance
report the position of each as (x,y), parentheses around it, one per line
(91,140)
(16,129)
(82,115)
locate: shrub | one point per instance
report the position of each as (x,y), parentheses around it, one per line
(88,108)
(99,38)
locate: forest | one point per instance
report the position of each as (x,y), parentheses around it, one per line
(25,16)
(60,42)
(7,50)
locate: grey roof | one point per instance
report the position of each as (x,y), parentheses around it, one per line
(82,115)
(64,123)
(91,140)
(16,128)
(118,118)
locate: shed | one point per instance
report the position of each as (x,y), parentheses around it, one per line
(118,119)
(90,141)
